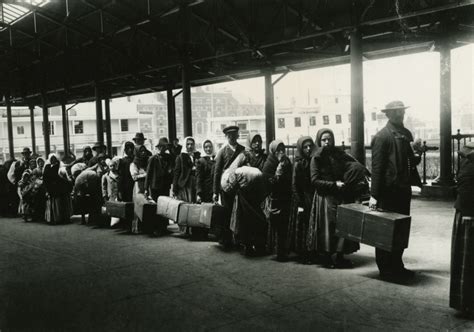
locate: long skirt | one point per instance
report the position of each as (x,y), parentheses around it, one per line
(248,222)
(461,294)
(58,209)
(299,224)
(277,214)
(322,228)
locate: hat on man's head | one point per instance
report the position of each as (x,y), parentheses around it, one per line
(230,129)
(98,145)
(467,150)
(139,136)
(394,105)
(162,141)
(26,151)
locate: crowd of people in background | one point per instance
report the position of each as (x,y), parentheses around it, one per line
(273,204)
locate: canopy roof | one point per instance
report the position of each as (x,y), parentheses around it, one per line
(63,49)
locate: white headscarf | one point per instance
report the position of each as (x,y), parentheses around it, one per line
(204,151)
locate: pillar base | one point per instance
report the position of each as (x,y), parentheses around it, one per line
(447,192)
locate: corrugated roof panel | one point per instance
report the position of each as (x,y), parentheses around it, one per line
(10,13)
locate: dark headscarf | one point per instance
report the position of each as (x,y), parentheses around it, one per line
(250,139)
(140,161)
(299,148)
(271,163)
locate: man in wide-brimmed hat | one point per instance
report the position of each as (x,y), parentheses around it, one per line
(139,140)
(393,173)
(98,148)
(224,159)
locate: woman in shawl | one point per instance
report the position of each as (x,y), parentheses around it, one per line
(126,183)
(303,193)
(277,172)
(205,173)
(25,205)
(184,178)
(461,294)
(257,155)
(58,189)
(138,173)
(328,166)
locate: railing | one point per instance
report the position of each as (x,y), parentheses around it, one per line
(456,142)
(291,150)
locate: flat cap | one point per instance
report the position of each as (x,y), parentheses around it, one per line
(229,129)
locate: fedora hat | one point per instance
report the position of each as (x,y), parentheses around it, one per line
(26,151)
(139,136)
(98,145)
(394,105)
(467,150)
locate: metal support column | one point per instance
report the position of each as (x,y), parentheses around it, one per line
(171,114)
(11,148)
(357,97)
(98,115)
(33,131)
(46,127)
(445,148)
(108,129)
(269,110)
(187,115)
(65,129)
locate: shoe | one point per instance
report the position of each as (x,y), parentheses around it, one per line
(343,263)
(405,274)
(327,262)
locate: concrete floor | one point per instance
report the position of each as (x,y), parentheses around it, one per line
(74,277)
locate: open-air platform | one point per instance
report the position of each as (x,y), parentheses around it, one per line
(76,277)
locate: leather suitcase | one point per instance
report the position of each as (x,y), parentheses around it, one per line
(168,207)
(211,214)
(123,210)
(189,215)
(382,229)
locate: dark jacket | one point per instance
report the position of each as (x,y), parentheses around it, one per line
(205,176)
(182,171)
(54,184)
(327,167)
(393,160)
(126,183)
(224,158)
(159,173)
(465,188)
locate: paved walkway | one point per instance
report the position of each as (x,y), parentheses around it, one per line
(75,277)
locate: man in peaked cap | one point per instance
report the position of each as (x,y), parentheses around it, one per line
(224,159)
(393,173)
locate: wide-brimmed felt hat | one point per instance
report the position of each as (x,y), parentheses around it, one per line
(26,151)
(162,141)
(230,129)
(394,105)
(467,149)
(139,136)
(98,145)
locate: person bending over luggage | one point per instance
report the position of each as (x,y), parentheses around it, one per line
(277,172)
(184,178)
(327,175)
(257,155)
(205,173)
(302,197)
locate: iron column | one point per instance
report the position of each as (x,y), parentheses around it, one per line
(33,132)
(99,118)
(108,129)
(65,129)
(171,114)
(187,116)
(357,97)
(46,127)
(11,148)
(269,109)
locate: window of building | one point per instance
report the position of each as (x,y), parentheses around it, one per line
(325,119)
(338,118)
(78,127)
(336,100)
(374,116)
(312,121)
(242,126)
(281,123)
(124,125)
(297,122)
(20,130)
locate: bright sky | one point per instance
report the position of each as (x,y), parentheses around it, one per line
(414,79)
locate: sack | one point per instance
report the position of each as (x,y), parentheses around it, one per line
(246,176)
(87,183)
(228,179)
